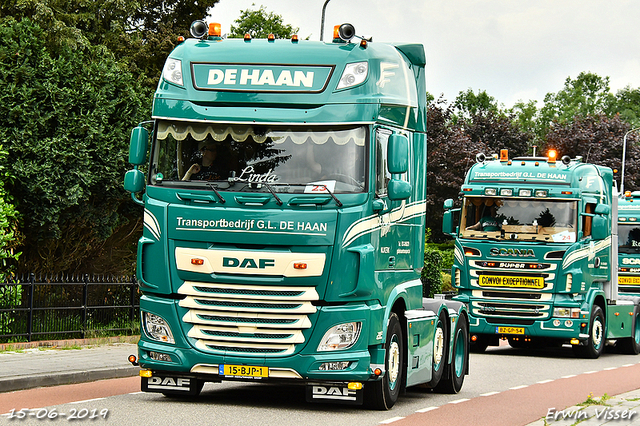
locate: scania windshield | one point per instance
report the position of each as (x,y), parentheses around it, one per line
(522,219)
(629,238)
(308,159)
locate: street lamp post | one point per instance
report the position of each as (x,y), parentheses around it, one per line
(624,152)
(324,7)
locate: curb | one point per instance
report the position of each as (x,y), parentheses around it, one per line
(66,378)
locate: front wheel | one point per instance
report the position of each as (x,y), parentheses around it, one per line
(383,394)
(595,344)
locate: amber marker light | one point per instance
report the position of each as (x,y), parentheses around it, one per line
(354,385)
(132,359)
(197,261)
(180,39)
(299,265)
(146,373)
(363,43)
(215,29)
(377,372)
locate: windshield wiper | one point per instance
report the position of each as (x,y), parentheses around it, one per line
(215,190)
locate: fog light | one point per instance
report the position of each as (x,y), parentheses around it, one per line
(568,323)
(146,373)
(355,385)
(337,365)
(159,356)
(556,322)
(574,341)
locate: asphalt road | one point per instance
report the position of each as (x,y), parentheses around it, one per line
(505,386)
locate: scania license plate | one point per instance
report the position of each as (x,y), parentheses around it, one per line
(244,371)
(509,330)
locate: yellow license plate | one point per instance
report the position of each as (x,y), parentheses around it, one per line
(244,371)
(629,280)
(509,330)
(514,282)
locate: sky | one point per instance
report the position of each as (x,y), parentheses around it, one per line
(515,50)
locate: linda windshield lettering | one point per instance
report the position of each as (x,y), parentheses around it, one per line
(248,174)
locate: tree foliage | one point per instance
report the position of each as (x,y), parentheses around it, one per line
(65,119)
(260,23)
(599,140)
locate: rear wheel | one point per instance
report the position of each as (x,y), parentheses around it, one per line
(631,345)
(383,394)
(452,383)
(440,343)
(595,344)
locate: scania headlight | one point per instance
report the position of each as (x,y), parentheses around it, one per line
(157,328)
(172,71)
(566,312)
(341,336)
(353,75)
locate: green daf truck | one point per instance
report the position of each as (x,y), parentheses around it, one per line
(536,255)
(283,185)
(629,248)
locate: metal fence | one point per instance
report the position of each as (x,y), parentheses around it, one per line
(52,308)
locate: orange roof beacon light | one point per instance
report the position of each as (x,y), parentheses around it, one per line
(552,155)
(504,155)
(271,37)
(180,39)
(294,38)
(215,29)
(247,37)
(336,33)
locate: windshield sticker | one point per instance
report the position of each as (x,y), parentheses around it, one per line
(564,237)
(324,186)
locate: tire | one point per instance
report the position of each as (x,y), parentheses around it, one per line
(453,381)
(440,354)
(631,345)
(595,344)
(383,394)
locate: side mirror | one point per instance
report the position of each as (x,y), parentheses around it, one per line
(134,181)
(398,154)
(448,203)
(600,229)
(603,209)
(398,189)
(138,145)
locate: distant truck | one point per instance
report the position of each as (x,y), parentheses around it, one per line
(536,254)
(284,221)
(629,246)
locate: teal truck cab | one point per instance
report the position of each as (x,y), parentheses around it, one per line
(536,255)
(284,221)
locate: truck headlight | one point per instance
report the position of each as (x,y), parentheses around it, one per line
(157,328)
(341,336)
(353,75)
(172,71)
(566,312)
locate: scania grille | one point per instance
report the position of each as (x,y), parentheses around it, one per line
(510,310)
(247,320)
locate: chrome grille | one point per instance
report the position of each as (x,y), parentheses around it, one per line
(495,309)
(247,319)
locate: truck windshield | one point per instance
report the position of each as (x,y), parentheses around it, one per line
(310,159)
(629,237)
(521,219)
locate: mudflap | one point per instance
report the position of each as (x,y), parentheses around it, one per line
(336,393)
(172,384)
